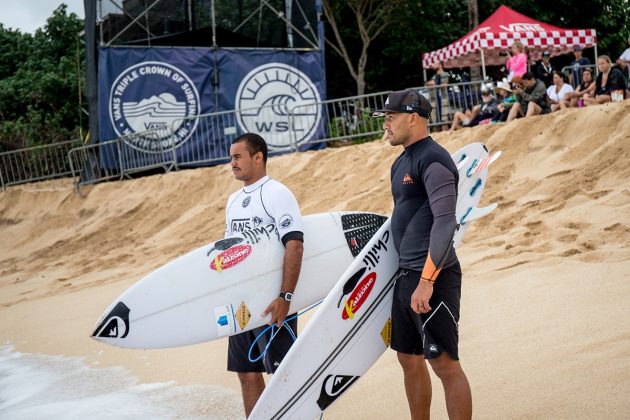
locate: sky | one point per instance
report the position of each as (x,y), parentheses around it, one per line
(29,15)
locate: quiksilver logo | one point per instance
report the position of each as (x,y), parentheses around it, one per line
(281,103)
(115,324)
(332,387)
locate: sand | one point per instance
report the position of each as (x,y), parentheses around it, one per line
(544,330)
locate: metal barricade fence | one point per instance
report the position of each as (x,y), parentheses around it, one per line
(284,127)
(36,163)
(122,157)
(348,118)
(345,119)
(447,99)
(151,149)
(85,163)
(569,72)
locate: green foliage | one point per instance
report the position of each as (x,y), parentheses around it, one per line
(354,127)
(39,89)
(14,49)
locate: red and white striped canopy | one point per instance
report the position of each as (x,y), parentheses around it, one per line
(498,33)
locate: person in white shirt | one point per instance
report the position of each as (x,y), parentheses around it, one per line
(624,60)
(556,92)
(263,203)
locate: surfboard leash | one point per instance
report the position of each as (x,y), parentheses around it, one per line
(274,332)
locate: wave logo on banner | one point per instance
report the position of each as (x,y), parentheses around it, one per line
(149,99)
(280,103)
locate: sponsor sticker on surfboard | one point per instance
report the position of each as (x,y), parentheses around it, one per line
(386,332)
(230,257)
(224,320)
(243,315)
(358,296)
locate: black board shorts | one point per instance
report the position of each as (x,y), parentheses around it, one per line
(432,333)
(239,345)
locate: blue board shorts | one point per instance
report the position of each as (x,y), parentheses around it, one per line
(239,345)
(432,333)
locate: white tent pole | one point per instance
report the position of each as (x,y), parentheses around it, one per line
(483,65)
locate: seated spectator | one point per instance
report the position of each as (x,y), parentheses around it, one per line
(481,112)
(577,66)
(609,81)
(506,98)
(585,89)
(544,69)
(557,91)
(531,98)
(516,63)
(624,60)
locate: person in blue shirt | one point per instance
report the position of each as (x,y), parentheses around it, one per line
(577,66)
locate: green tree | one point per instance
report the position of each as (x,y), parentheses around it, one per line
(39,83)
(14,49)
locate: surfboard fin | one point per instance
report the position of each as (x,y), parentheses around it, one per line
(474,213)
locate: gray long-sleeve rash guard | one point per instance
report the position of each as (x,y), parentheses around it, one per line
(441,189)
(424,187)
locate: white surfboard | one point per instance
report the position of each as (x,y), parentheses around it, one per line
(221,289)
(352,326)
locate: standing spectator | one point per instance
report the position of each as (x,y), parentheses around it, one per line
(531,98)
(624,60)
(609,80)
(557,91)
(544,69)
(440,78)
(576,66)
(585,90)
(516,64)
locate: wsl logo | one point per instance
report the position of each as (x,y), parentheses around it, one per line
(279,102)
(153,105)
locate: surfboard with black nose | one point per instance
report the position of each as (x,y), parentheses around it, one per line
(222,288)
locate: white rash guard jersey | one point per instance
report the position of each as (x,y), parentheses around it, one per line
(265,204)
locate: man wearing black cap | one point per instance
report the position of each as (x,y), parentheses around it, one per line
(425,308)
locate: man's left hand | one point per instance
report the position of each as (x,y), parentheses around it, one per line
(278,308)
(420,297)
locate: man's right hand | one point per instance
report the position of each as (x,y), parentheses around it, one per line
(278,308)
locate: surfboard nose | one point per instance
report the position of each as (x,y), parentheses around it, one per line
(113,325)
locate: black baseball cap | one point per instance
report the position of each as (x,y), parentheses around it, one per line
(408,100)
